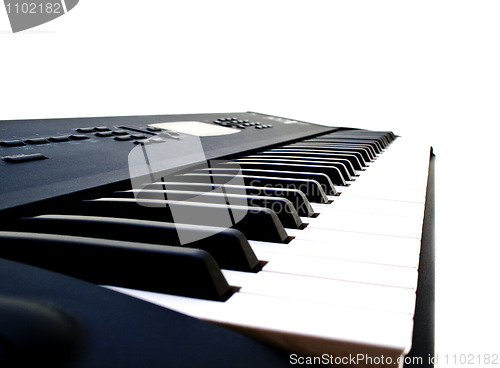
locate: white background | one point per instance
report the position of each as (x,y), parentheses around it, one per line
(426,69)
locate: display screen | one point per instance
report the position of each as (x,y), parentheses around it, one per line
(196,128)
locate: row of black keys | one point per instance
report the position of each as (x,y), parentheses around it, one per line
(115,241)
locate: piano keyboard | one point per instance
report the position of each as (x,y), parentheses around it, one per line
(323,257)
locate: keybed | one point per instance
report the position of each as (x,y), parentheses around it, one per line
(325,254)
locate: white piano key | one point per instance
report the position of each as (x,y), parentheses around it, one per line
(336,269)
(381,253)
(371,205)
(382,186)
(353,238)
(367,223)
(395,179)
(304,327)
(383,193)
(342,293)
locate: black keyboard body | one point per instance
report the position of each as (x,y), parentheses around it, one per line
(52,163)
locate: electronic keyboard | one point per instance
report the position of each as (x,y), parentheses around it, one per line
(232,239)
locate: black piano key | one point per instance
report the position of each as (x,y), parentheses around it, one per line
(357,134)
(311,188)
(228,247)
(355,160)
(296,197)
(384,138)
(359,142)
(346,141)
(264,219)
(272,170)
(371,151)
(284,209)
(361,154)
(159,268)
(368,153)
(281,206)
(340,166)
(345,167)
(331,170)
(381,141)
(365,153)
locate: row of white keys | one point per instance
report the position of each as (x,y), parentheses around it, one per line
(339,244)
(385,231)
(364,207)
(393,219)
(399,173)
(342,286)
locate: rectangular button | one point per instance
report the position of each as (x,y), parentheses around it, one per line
(24,158)
(123,138)
(36,141)
(120,132)
(78,137)
(85,130)
(12,143)
(61,138)
(104,134)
